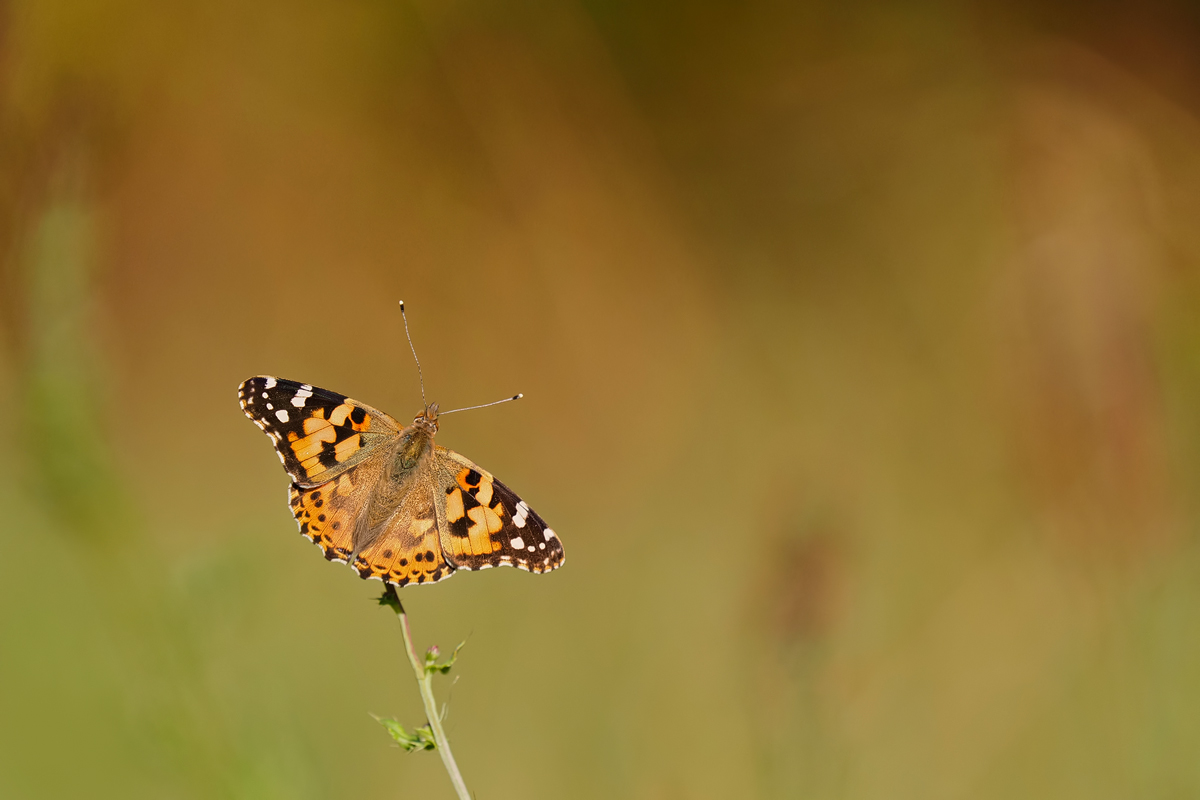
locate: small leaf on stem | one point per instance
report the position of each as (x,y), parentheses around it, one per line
(390,599)
(420,739)
(431,665)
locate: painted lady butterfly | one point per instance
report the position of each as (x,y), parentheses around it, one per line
(384,498)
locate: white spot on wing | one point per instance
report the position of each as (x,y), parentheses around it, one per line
(548,533)
(303,394)
(518,543)
(282,415)
(270,383)
(522,512)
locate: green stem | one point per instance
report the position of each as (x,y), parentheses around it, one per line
(425,681)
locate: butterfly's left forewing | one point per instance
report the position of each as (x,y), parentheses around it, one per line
(318,434)
(484,524)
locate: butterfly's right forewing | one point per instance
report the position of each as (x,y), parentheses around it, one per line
(485,524)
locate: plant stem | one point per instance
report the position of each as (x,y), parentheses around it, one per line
(425,681)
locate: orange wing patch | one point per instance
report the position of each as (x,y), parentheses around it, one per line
(331,436)
(472,515)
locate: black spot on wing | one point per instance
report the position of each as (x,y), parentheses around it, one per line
(462,526)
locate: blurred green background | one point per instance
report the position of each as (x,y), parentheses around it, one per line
(861,357)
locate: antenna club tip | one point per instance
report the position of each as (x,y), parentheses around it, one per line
(518,396)
(401,305)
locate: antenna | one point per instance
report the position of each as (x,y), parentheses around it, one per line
(485,405)
(420,375)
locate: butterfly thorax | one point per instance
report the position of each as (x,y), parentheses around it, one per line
(416,441)
(404,470)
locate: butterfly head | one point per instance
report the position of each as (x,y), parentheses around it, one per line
(427,420)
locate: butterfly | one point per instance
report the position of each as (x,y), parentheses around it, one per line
(384,498)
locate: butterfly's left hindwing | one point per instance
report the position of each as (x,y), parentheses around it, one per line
(317,433)
(484,524)
(328,515)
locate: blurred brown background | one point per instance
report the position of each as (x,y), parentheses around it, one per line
(862,368)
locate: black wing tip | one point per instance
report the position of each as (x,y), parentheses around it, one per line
(256,379)
(248,388)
